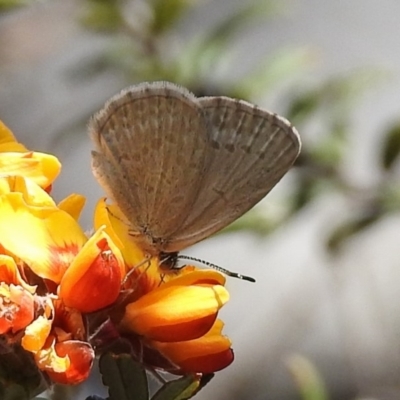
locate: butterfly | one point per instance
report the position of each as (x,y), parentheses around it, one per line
(181,167)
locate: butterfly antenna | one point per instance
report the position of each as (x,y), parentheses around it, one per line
(218,268)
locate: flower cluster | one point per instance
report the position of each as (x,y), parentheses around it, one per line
(60,287)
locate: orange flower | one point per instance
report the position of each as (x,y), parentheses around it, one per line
(50,272)
(93,280)
(185,308)
(84,275)
(175,313)
(67,362)
(209,353)
(16,305)
(59,288)
(51,243)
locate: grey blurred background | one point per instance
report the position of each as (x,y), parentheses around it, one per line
(324,245)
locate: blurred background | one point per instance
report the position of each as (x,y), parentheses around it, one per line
(323,320)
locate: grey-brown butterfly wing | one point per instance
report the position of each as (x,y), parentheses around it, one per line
(250,151)
(150,143)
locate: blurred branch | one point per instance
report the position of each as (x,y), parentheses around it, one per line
(144,31)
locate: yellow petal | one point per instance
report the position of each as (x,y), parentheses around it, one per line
(198,277)
(32,193)
(118,229)
(45,238)
(73,205)
(47,359)
(42,168)
(9,273)
(8,141)
(175,313)
(80,360)
(36,334)
(209,353)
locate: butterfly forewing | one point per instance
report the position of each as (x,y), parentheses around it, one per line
(150,141)
(250,151)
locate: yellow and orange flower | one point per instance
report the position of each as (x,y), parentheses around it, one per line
(51,272)
(55,280)
(174,313)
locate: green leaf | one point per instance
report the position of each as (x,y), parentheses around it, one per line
(102,15)
(125,378)
(270,72)
(330,151)
(6,5)
(334,96)
(305,192)
(307,378)
(391,147)
(14,392)
(303,105)
(204,381)
(166,13)
(238,19)
(20,377)
(200,56)
(352,227)
(255,221)
(390,195)
(179,389)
